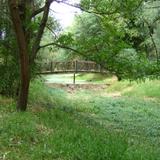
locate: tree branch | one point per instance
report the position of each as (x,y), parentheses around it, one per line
(152,39)
(48,27)
(42,26)
(153,7)
(62,46)
(38,11)
(88,11)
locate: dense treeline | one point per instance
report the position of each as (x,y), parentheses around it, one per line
(122,36)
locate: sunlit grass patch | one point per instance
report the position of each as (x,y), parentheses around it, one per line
(148,88)
(145,89)
(95,77)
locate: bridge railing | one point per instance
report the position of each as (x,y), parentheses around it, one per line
(70,66)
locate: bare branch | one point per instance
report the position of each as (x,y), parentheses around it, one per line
(153,7)
(140,3)
(42,26)
(157,19)
(95,11)
(38,11)
(48,27)
(88,11)
(152,39)
(62,46)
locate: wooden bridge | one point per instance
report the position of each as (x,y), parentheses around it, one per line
(70,67)
(74,67)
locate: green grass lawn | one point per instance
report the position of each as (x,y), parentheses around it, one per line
(83,125)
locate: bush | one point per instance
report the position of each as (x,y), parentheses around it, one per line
(9,79)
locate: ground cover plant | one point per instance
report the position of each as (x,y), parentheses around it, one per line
(64,125)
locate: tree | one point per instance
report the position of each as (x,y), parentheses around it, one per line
(116,37)
(114,27)
(22,14)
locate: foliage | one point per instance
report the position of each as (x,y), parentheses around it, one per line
(9,52)
(9,67)
(52,31)
(121,38)
(46,98)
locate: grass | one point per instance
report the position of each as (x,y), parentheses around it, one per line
(95,78)
(147,89)
(143,89)
(135,116)
(56,134)
(84,125)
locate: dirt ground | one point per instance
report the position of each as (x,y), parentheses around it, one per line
(100,89)
(75,87)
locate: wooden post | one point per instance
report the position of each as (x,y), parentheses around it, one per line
(99,68)
(51,66)
(75,71)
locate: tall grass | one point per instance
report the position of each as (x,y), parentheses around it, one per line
(42,96)
(148,88)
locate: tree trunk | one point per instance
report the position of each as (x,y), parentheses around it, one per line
(23,54)
(23,94)
(20,19)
